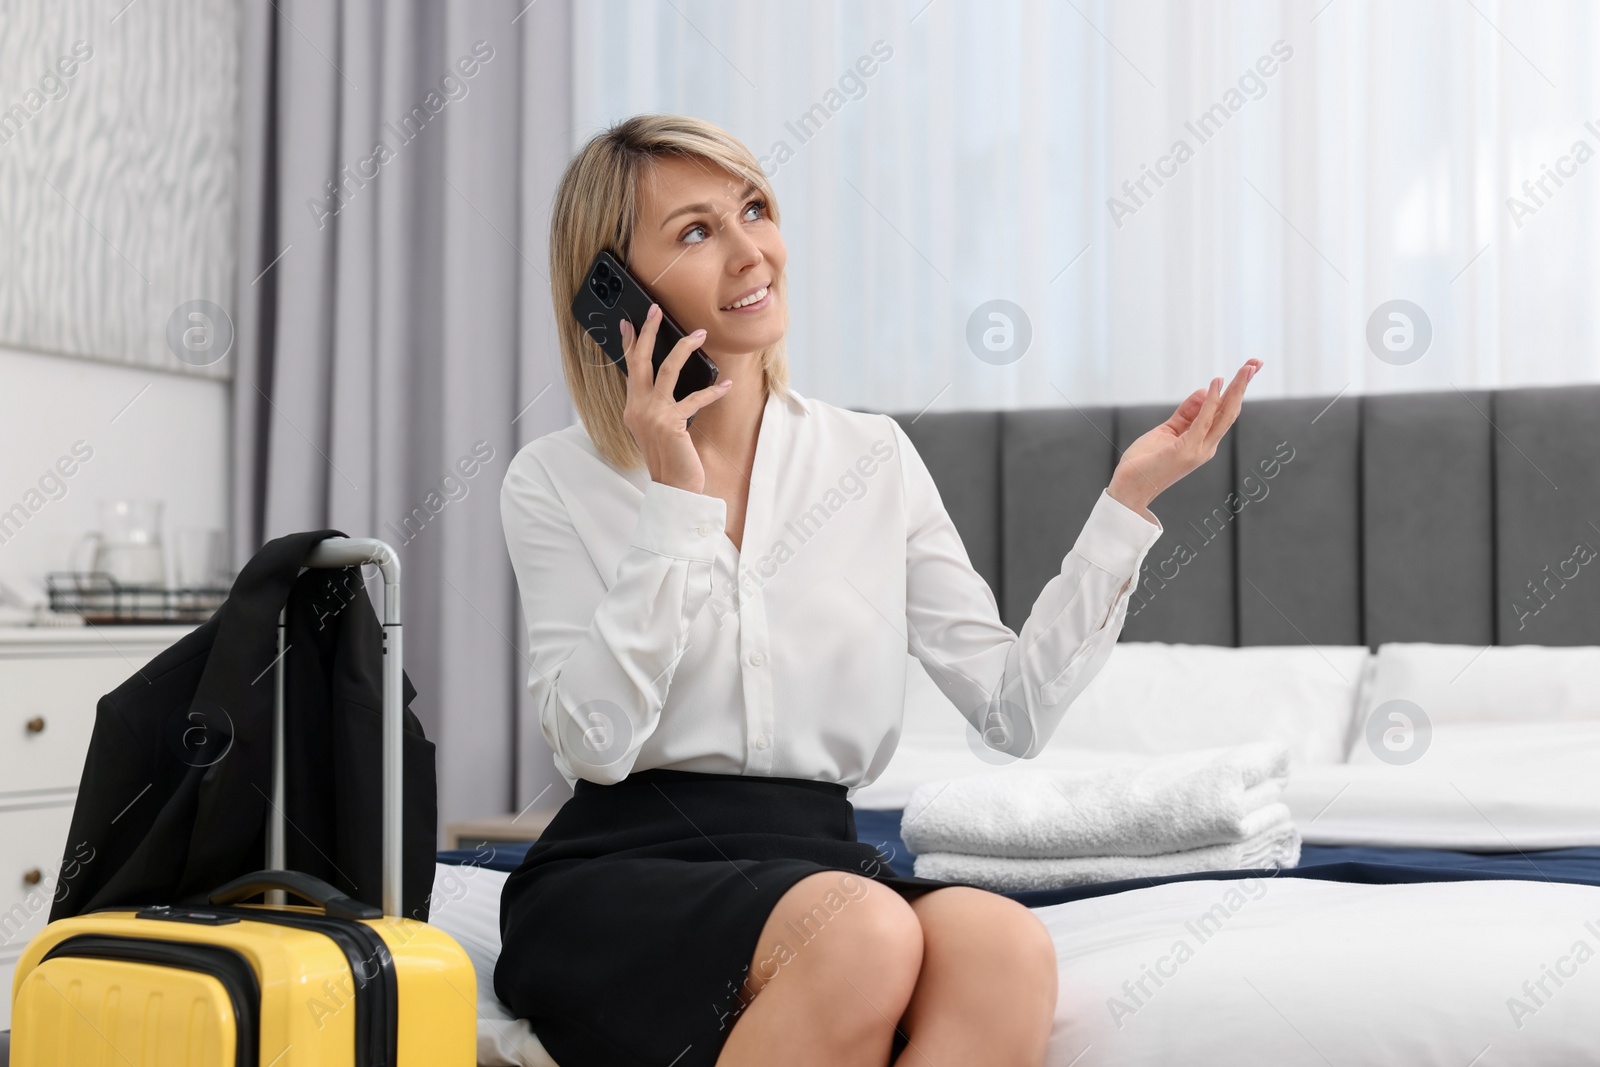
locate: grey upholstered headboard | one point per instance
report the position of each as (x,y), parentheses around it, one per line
(1455,517)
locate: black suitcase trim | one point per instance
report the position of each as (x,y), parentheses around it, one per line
(228,967)
(377,1015)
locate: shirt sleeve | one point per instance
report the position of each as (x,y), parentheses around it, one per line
(1014,689)
(602,660)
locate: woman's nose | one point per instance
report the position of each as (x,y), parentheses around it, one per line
(743,251)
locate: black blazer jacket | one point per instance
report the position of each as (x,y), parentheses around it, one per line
(178,782)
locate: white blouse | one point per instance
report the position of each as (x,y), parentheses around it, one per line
(655,642)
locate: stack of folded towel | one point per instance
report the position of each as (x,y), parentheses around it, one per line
(1026,828)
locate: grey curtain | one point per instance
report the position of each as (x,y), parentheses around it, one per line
(394,331)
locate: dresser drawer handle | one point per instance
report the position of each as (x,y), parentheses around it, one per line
(32,877)
(36,724)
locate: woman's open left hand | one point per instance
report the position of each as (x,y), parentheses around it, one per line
(1179,445)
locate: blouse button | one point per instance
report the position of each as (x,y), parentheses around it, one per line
(703,530)
(761,741)
(757,659)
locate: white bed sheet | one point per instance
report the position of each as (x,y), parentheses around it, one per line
(1285,971)
(1300,971)
(466,905)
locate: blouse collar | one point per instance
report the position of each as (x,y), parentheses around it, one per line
(793,400)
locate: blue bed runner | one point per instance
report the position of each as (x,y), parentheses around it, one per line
(1345,863)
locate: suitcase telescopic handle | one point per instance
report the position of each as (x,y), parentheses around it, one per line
(335,903)
(353,552)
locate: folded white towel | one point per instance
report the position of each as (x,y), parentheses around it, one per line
(1278,846)
(1185,800)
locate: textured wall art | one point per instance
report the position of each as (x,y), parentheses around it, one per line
(119,178)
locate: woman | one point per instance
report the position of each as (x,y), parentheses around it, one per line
(718,623)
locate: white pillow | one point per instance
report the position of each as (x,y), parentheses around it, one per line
(466,905)
(1494,753)
(1502,683)
(1154,697)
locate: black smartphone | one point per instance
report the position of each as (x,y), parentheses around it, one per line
(608,294)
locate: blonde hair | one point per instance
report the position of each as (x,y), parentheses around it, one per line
(596,207)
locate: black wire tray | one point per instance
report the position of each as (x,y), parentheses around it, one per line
(100,599)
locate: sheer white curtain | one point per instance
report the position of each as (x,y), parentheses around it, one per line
(1340,155)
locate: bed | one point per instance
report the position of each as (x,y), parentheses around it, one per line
(1277,971)
(1443,911)
(1351,559)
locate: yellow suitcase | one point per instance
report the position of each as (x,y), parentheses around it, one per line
(221,983)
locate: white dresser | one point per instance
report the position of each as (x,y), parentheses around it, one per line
(50,681)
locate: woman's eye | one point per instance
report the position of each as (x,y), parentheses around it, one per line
(754,211)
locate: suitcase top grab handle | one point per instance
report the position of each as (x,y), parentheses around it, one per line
(309,887)
(352,552)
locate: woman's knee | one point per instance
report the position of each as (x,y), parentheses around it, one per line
(970,927)
(995,961)
(836,964)
(840,930)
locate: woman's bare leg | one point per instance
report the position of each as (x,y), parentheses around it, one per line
(832,972)
(986,994)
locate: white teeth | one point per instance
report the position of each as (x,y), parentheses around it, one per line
(754,297)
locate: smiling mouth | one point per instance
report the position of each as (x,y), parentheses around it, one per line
(753,297)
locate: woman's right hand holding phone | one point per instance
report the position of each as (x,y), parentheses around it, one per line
(660,424)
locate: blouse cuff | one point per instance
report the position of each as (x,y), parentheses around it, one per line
(1116,537)
(675,522)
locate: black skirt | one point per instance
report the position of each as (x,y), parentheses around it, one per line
(629,929)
